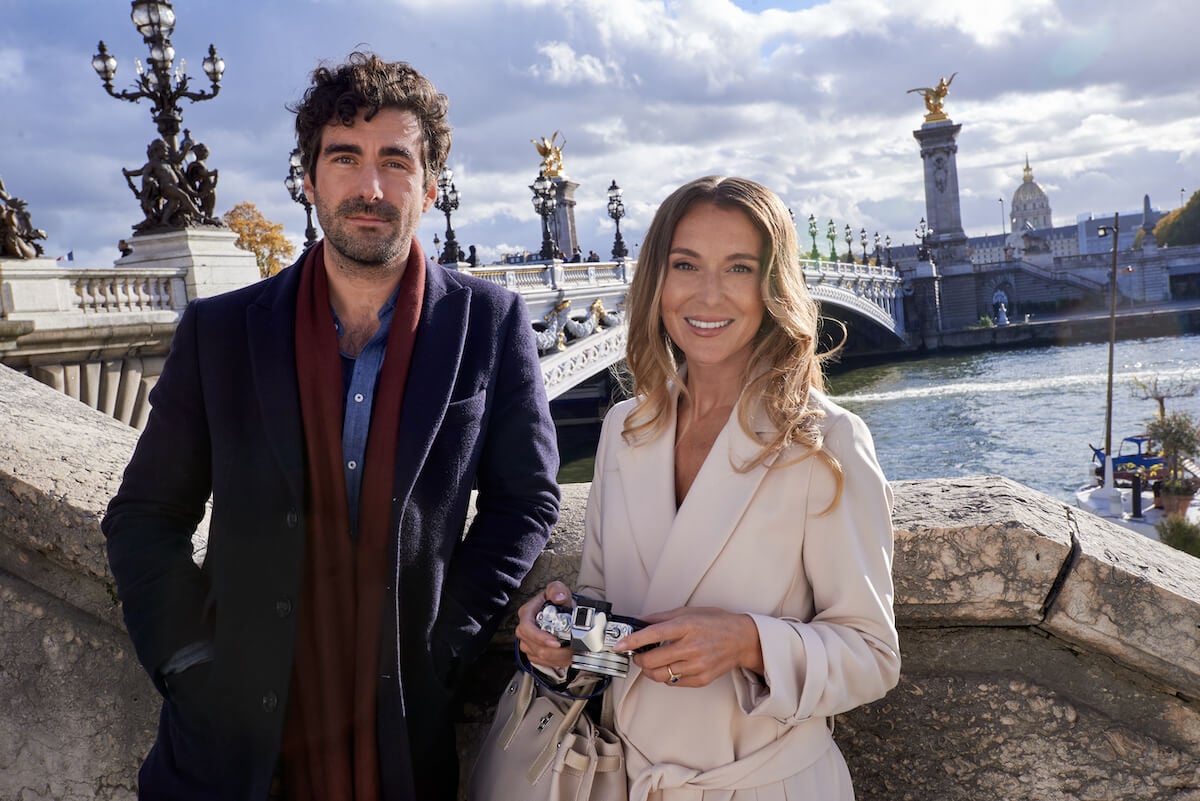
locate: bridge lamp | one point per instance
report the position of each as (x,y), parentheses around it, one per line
(159,82)
(831,235)
(295,187)
(616,210)
(878,261)
(887,246)
(812,231)
(447,201)
(849,238)
(437,248)
(923,232)
(544,204)
(862,237)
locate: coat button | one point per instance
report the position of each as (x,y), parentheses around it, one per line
(269,702)
(293,519)
(283,607)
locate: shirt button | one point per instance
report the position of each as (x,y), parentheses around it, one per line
(283,607)
(352,464)
(358,397)
(269,702)
(293,519)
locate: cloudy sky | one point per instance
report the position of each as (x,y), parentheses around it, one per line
(808,97)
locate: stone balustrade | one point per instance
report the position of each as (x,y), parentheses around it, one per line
(554,275)
(53,297)
(1047,654)
(819,268)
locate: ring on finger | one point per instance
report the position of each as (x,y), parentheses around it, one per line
(673,676)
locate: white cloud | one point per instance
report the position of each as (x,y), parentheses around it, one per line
(810,100)
(564,67)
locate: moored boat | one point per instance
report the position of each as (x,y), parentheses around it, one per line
(1130,498)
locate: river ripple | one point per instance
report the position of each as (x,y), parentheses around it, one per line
(1027,414)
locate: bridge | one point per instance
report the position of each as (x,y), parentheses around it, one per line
(101,335)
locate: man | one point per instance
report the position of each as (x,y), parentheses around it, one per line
(340,413)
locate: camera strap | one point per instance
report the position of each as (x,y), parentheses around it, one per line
(557,689)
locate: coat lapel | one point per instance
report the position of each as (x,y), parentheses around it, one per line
(706,520)
(648,483)
(437,352)
(271,342)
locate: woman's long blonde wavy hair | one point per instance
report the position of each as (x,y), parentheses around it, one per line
(784,365)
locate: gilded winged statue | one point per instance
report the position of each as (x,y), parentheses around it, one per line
(934,97)
(552,160)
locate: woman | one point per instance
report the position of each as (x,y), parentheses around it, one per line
(740,512)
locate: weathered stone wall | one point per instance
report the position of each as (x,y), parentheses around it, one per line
(1047,654)
(76,711)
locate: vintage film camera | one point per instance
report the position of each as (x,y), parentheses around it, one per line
(591,629)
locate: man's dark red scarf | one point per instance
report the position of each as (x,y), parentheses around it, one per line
(329,744)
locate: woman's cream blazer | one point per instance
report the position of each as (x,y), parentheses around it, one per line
(817,583)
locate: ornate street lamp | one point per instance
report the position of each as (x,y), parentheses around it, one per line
(544,204)
(172,195)
(923,232)
(878,254)
(160,82)
(849,239)
(616,210)
(887,246)
(831,235)
(447,201)
(812,231)
(437,249)
(862,237)
(1113,230)
(295,187)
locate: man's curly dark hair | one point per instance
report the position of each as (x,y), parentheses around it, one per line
(366,83)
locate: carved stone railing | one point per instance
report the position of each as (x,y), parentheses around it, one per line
(1046,653)
(53,297)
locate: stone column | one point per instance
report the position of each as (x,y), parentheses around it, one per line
(944,215)
(565,235)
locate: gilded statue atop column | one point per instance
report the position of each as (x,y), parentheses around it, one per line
(552,160)
(935,96)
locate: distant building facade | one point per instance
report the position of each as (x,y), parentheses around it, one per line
(1033,235)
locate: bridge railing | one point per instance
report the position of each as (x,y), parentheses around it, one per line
(55,297)
(821,268)
(553,275)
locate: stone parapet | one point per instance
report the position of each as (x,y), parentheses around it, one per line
(1047,654)
(209,258)
(53,297)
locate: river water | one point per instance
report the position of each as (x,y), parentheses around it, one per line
(1028,414)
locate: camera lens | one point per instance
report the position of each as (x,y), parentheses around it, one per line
(605,662)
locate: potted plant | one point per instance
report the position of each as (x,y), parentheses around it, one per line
(1178,435)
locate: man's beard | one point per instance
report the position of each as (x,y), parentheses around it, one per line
(366,249)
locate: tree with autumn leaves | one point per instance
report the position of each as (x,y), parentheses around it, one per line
(260,236)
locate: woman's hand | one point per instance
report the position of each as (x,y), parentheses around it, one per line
(699,645)
(542,647)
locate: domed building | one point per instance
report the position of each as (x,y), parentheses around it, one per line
(1030,205)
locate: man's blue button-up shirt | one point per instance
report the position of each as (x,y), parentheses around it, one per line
(360,377)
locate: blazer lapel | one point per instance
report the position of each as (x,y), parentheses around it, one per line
(437,352)
(708,517)
(271,342)
(648,483)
